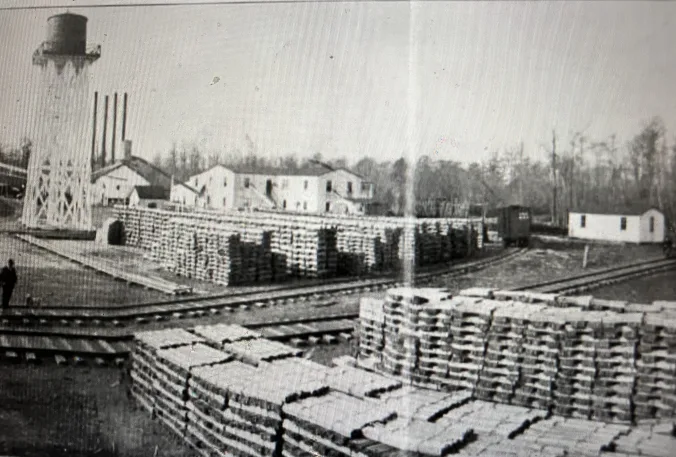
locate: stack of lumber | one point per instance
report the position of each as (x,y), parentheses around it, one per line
(470,323)
(656,367)
(371,328)
(433,324)
(329,425)
(615,341)
(650,439)
(423,404)
(400,353)
(564,436)
(538,362)
(143,370)
(577,365)
(578,356)
(174,369)
(493,423)
(247,414)
(500,372)
(219,334)
(265,246)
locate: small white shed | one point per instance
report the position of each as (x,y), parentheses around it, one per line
(148,196)
(628,225)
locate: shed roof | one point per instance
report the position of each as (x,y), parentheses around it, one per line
(152,192)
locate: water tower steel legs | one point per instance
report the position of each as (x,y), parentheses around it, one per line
(58,187)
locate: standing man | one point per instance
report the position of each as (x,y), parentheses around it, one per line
(8,280)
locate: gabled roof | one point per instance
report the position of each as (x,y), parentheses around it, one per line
(151,192)
(148,171)
(634,209)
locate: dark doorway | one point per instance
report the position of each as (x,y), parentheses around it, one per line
(268,187)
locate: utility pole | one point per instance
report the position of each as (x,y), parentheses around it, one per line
(555,218)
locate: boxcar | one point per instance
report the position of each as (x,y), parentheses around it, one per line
(514,225)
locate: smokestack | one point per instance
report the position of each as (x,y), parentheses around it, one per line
(124,117)
(96,99)
(112,149)
(127,149)
(105,129)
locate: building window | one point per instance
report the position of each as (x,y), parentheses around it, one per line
(208,199)
(328,205)
(225,182)
(285,183)
(284,204)
(305,185)
(365,186)
(223,201)
(349,187)
(195,182)
(583,221)
(305,206)
(652,224)
(328,186)
(623,223)
(246,182)
(118,187)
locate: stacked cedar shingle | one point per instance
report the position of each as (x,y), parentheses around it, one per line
(577,356)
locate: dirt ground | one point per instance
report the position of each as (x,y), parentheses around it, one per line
(59,282)
(53,411)
(642,290)
(551,259)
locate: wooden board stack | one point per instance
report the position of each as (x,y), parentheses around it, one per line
(656,365)
(534,350)
(174,369)
(371,328)
(274,246)
(143,370)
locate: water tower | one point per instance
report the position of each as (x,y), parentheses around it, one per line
(59,171)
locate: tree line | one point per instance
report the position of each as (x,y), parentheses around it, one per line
(574,172)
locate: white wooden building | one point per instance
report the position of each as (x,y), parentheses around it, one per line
(114,183)
(643,225)
(148,196)
(312,189)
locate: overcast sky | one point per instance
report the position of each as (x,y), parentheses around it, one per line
(346,79)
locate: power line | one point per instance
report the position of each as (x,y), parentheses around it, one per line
(199,3)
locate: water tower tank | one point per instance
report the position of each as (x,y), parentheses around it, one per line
(66,34)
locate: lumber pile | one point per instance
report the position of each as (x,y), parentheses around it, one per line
(577,356)
(241,248)
(143,358)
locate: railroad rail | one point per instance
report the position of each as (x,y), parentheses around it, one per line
(214,304)
(111,344)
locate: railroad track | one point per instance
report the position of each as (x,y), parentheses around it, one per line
(111,344)
(592,280)
(207,305)
(103,335)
